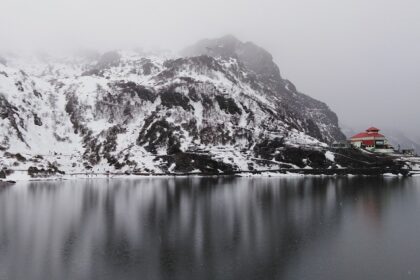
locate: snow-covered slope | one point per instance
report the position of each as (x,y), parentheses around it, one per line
(130,111)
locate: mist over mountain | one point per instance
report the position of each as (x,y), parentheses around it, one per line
(360,57)
(221,106)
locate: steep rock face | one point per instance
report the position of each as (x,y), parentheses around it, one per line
(263,74)
(223,111)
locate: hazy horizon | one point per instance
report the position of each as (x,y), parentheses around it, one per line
(360,58)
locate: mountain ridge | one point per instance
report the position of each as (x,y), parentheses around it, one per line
(228,110)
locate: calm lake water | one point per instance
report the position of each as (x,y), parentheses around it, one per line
(211,228)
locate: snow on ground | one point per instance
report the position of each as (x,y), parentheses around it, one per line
(330,156)
(392,175)
(271,174)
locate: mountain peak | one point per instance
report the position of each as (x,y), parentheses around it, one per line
(254,57)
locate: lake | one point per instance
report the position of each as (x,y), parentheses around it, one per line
(211,228)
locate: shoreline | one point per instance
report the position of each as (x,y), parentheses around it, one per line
(23,176)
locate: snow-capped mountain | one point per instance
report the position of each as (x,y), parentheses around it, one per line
(222,105)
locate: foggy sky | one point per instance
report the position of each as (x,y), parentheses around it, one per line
(361,57)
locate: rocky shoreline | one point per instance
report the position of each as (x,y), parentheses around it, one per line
(295,161)
(372,172)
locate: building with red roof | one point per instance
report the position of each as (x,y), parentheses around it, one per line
(371,140)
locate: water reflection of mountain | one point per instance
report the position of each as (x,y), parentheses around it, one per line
(185,228)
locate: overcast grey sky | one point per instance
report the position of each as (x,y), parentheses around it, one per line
(362,57)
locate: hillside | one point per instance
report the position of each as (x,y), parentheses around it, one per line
(221,106)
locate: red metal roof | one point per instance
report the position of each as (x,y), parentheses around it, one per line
(371,132)
(372,129)
(366,134)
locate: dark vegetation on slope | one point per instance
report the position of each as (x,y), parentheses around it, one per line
(228,105)
(188,162)
(10,112)
(171,99)
(132,89)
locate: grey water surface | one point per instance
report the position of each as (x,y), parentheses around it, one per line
(211,228)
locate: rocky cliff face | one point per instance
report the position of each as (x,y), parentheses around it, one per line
(313,116)
(221,106)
